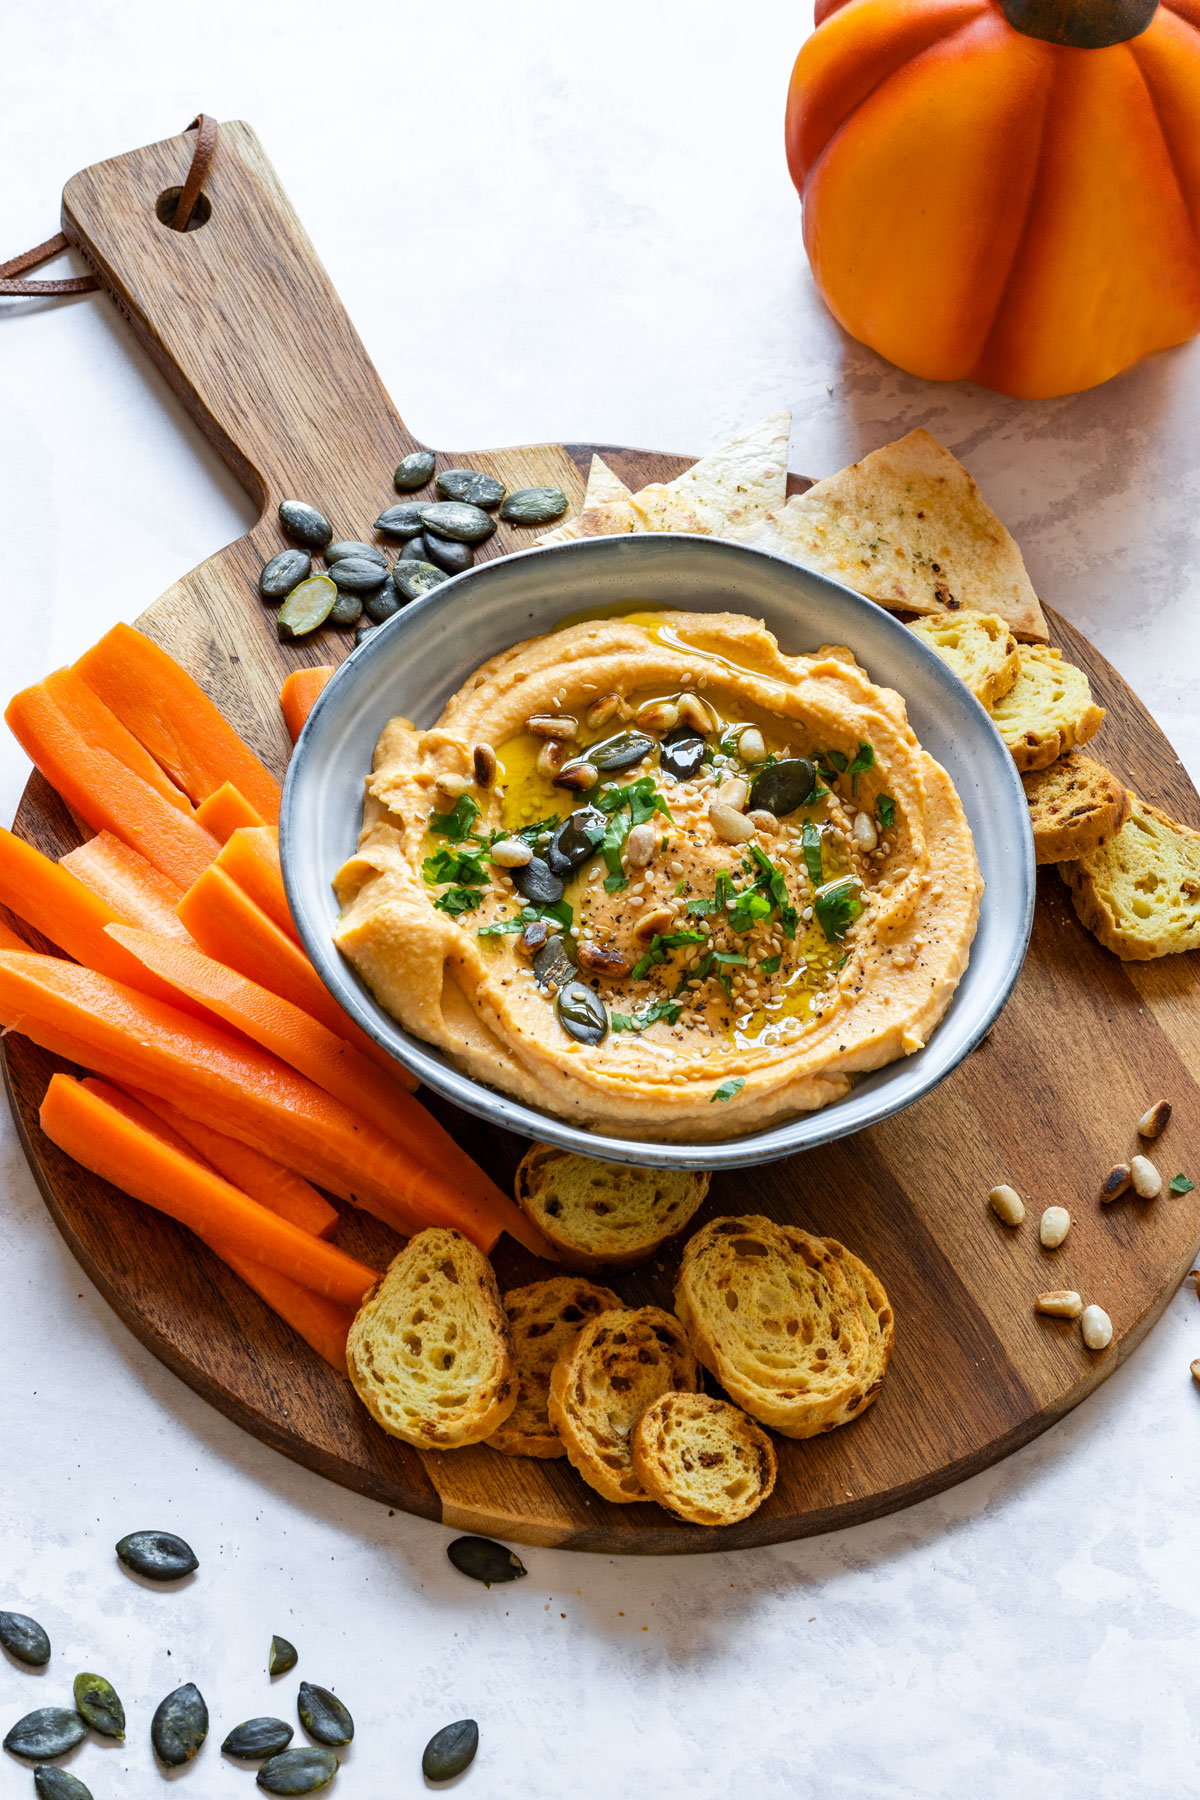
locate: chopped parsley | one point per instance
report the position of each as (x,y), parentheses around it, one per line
(657,953)
(862,762)
(836,906)
(456,824)
(1179,1184)
(647,1015)
(462,866)
(501,928)
(811,839)
(728,1089)
(458,900)
(770,965)
(831,764)
(748,909)
(700,908)
(773,880)
(643,800)
(614,883)
(885,809)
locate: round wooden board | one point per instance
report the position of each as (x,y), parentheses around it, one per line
(1048,1102)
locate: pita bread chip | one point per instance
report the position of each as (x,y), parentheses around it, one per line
(727,493)
(607,504)
(908,527)
(561,534)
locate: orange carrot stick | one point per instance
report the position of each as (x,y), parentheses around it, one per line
(299,694)
(98,1134)
(175,719)
(104,731)
(251,858)
(134,888)
(9,939)
(223,812)
(105,792)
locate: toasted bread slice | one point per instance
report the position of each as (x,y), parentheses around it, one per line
(617,1366)
(1140,893)
(543,1318)
(1048,710)
(979,647)
(875,1311)
(769,1310)
(1075,807)
(703,1459)
(602,1215)
(429,1351)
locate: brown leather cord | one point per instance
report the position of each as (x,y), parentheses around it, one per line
(205,127)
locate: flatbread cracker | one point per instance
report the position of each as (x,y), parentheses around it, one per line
(728,493)
(607,509)
(908,527)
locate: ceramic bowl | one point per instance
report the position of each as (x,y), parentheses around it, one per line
(414,663)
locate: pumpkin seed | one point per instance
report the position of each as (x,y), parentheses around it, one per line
(298,1772)
(624,751)
(483,1559)
(179,1726)
(471,485)
(363,632)
(448,555)
(380,606)
(682,752)
(534,506)
(98,1702)
(403,521)
(358,574)
(414,550)
(412,579)
(553,963)
(413,471)
(346,609)
(455,519)
(575,840)
(354,547)
(284,1656)
(582,1014)
(278,577)
(255,1739)
(50,1731)
(450,1750)
(158,1555)
(58,1784)
(323,1715)
(306,607)
(305,524)
(783,786)
(537,883)
(25,1639)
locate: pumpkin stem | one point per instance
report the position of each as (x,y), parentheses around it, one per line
(1081,24)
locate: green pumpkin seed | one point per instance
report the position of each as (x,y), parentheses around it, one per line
(346,609)
(283,573)
(304,524)
(454,519)
(382,605)
(99,1703)
(298,1772)
(158,1555)
(323,1716)
(471,485)
(453,558)
(25,1639)
(553,963)
(354,547)
(624,751)
(403,521)
(179,1726)
(306,607)
(363,632)
(450,1750)
(412,579)
(50,1731)
(58,1784)
(255,1739)
(534,506)
(581,1013)
(783,786)
(358,574)
(414,550)
(284,1656)
(483,1559)
(413,471)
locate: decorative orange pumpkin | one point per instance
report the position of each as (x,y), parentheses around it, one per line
(1003,190)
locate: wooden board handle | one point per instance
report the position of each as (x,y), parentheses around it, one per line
(240,316)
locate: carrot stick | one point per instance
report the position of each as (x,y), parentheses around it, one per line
(134,888)
(9,939)
(299,694)
(251,858)
(175,719)
(86,1125)
(223,812)
(105,792)
(293,1036)
(104,731)
(239,1090)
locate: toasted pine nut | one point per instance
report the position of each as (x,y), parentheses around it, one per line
(550,759)
(693,712)
(602,710)
(1059,1303)
(1096,1327)
(1007,1204)
(603,960)
(1153,1123)
(639,847)
(1056,1222)
(453,786)
(751,747)
(864,832)
(734,792)
(1147,1182)
(483,758)
(559,726)
(511,853)
(1115,1183)
(762,820)
(657,715)
(657,919)
(578,776)
(730,826)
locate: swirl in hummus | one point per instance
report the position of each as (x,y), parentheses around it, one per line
(654,876)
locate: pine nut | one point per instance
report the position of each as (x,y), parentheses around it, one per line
(764,821)
(483,757)
(550,759)
(452,786)
(1153,1123)
(602,710)
(1096,1327)
(657,715)
(730,826)
(1147,1182)
(751,747)
(734,792)
(1115,1183)
(559,726)
(864,833)
(639,847)
(511,853)
(604,961)
(657,919)
(1055,1224)
(1007,1204)
(693,712)
(578,776)
(1059,1303)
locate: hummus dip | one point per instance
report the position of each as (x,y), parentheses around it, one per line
(652,875)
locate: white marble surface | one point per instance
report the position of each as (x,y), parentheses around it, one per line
(587,218)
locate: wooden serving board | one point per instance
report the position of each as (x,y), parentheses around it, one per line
(244,323)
